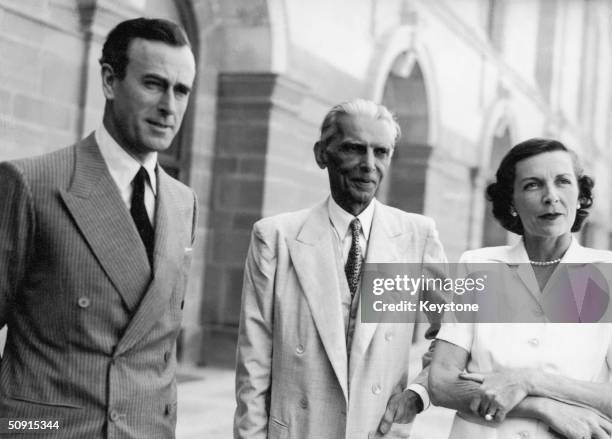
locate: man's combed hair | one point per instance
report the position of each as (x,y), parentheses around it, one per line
(357,107)
(115,50)
(501,191)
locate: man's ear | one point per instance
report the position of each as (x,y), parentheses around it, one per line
(320,153)
(109,79)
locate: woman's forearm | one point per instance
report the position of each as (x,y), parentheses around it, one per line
(595,395)
(534,407)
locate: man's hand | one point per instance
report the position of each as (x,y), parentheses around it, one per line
(401,408)
(499,392)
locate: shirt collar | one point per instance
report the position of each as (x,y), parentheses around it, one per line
(341,219)
(123,167)
(573,254)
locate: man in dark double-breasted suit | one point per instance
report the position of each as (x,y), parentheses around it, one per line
(95,243)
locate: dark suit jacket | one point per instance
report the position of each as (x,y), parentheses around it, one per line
(91,327)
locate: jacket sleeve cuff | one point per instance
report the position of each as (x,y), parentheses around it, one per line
(422,392)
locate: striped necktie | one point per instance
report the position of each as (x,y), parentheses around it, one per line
(352,269)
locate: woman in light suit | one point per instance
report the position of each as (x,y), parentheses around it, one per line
(536,380)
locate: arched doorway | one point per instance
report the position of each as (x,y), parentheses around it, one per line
(176,159)
(405,185)
(492,233)
(406,96)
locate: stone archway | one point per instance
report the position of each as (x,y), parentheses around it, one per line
(405,94)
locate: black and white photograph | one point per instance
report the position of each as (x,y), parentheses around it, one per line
(195,195)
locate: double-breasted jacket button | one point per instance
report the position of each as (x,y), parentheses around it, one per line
(304,402)
(389,335)
(299,349)
(84,302)
(113,415)
(376,389)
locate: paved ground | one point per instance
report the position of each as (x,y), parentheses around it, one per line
(206,406)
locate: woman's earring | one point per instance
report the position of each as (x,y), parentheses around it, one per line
(513,211)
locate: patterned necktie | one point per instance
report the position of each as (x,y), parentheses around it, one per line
(352,268)
(139,212)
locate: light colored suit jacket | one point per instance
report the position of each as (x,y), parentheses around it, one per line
(91,327)
(293,377)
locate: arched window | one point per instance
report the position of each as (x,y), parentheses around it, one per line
(493,233)
(495,23)
(406,96)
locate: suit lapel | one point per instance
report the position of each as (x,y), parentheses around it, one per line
(96,206)
(312,254)
(383,247)
(168,254)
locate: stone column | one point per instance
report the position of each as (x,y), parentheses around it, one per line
(248,106)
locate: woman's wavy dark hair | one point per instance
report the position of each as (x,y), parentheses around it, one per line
(500,192)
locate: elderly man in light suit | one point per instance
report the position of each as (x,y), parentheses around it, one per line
(95,242)
(306,366)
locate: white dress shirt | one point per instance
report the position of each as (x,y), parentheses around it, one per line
(340,221)
(123,168)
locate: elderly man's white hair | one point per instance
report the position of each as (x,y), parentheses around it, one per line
(356,107)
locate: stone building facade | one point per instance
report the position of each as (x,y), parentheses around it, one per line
(466,78)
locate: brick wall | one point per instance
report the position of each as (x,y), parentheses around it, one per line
(40,79)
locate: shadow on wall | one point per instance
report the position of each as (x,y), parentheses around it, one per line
(2,339)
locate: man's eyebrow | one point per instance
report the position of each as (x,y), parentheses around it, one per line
(184,88)
(154,76)
(180,86)
(362,143)
(160,80)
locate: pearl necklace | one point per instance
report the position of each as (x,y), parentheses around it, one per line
(545,263)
